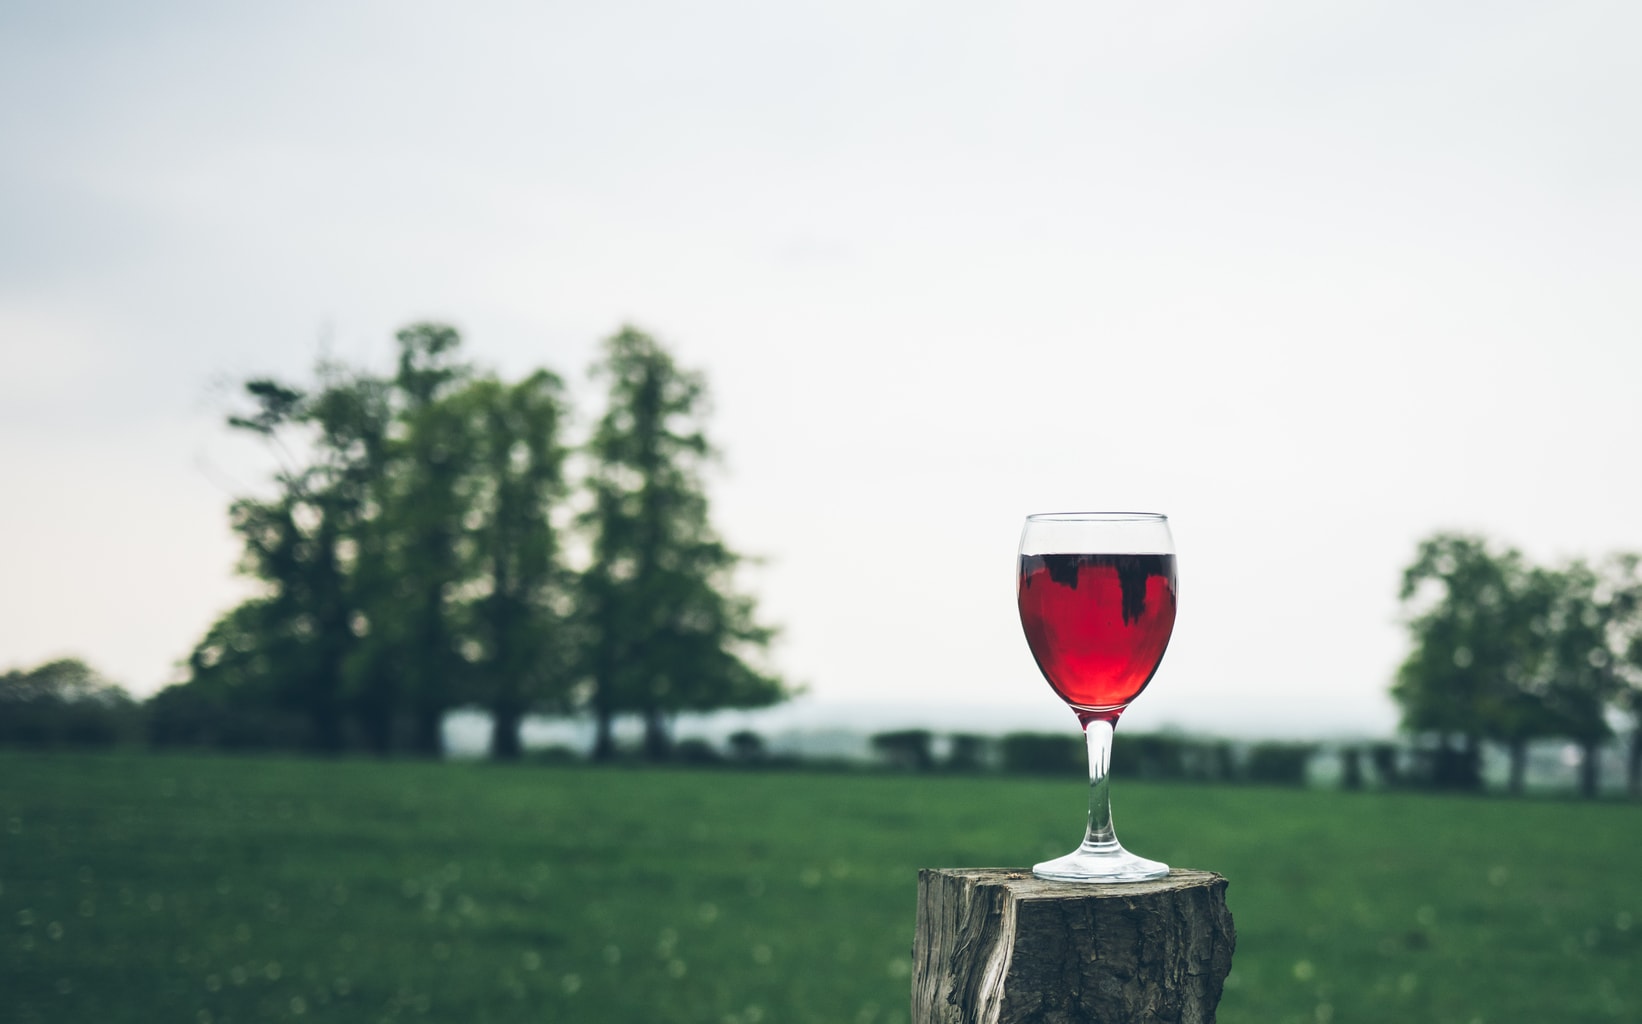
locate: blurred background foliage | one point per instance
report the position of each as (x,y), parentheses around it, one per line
(65,703)
(423,547)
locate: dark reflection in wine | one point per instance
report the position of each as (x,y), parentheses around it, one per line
(1097,624)
(1132,573)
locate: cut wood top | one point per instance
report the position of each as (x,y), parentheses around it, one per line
(1023,885)
(998,946)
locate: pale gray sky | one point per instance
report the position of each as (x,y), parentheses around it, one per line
(1314,279)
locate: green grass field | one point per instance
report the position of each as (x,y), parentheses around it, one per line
(145,888)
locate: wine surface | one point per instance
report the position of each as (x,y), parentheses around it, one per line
(1097,624)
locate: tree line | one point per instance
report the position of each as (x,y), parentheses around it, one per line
(1506,651)
(1157,756)
(432,538)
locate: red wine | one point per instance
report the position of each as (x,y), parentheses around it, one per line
(1097,625)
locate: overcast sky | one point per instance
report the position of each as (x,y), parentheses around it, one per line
(1313,279)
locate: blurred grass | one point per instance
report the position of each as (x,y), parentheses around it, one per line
(144,888)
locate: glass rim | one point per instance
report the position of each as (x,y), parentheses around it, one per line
(1097,517)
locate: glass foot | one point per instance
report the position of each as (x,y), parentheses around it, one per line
(1102,863)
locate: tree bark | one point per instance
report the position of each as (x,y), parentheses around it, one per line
(604,733)
(998,946)
(428,731)
(658,743)
(1518,750)
(374,709)
(325,725)
(1351,768)
(1589,766)
(1633,764)
(1384,757)
(505,719)
(1470,769)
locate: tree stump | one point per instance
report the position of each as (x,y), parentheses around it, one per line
(998,946)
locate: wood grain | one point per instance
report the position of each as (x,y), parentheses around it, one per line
(998,946)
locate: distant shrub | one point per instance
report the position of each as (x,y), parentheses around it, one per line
(1210,760)
(1441,766)
(906,749)
(968,752)
(189,715)
(1351,768)
(696,751)
(1385,759)
(747,746)
(1151,756)
(1279,763)
(65,703)
(1043,753)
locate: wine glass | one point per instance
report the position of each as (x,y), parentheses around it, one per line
(1097,603)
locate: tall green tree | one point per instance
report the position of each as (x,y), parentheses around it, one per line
(1511,652)
(1624,576)
(354,414)
(429,499)
(1584,679)
(666,631)
(523,649)
(405,551)
(292,543)
(312,543)
(1469,610)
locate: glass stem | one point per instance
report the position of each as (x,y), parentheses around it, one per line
(1098,734)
